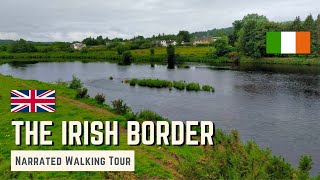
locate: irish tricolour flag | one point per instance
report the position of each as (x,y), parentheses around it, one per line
(288,42)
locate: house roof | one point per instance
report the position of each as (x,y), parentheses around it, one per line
(203,38)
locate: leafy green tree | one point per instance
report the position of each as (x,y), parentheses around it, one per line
(22,46)
(318,35)
(222,47)
(121,48)
(252,36)
(126,58)
(3,48)
(305,166)
(184,36)
(90,41)
(296,24)
(237,26)
(171,56)
(309,25)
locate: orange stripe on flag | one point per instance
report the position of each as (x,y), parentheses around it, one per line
(303,42)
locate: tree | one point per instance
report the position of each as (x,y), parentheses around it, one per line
(22,46)
(184,36)
(121,48)
(237,25)
(252,35)
(126,58)
(296,24)
(318,35)
(310,26)
(222,47)
(171,56)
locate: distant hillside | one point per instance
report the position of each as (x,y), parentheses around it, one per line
(214,32)
(5,42)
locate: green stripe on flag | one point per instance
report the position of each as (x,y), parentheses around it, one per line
(273,42)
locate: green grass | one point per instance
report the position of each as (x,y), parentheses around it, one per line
(228,159)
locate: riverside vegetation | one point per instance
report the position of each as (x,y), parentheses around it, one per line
(179,85)
(228,159)
(244,42)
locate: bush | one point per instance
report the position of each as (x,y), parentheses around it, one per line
(208,88)
(126,58)
(22,46)
(75,83)
(151,51)
(234,57)
(82,93)
(305,163)
(110,78)
(120,107)
(149,116)
(157,83)
(132,82)
(193,87)
(100,98)
(180,85)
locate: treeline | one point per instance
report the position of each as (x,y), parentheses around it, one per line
(23,46)
(246,38)
(138,42)
(249,34)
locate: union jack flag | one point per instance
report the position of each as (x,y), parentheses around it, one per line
(32,100)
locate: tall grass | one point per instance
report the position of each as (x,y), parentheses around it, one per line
(179,85)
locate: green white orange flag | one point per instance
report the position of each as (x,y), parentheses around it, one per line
(288,42)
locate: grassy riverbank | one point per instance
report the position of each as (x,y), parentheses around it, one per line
(183,54)
(228,159)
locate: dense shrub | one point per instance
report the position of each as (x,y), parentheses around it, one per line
(132,82)
(100,98)
(149,116)
(157,83)
(180,85)
(110,78)
(193,87)
(234,57)
(82,93)
(120,107)
(126,58)
(75,83)
(22,46)
(305,163)
(208,88)
(231,159)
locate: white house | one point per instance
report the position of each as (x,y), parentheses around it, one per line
(78,46)
(165,43)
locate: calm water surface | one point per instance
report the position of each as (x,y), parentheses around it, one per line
(278,106)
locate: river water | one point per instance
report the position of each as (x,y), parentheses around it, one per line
(278,106)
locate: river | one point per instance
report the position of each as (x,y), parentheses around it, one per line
(278,106)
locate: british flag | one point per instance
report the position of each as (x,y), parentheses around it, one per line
(32,100)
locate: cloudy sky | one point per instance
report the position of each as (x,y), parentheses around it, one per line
(71,20)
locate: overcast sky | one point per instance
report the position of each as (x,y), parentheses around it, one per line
(71,20)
